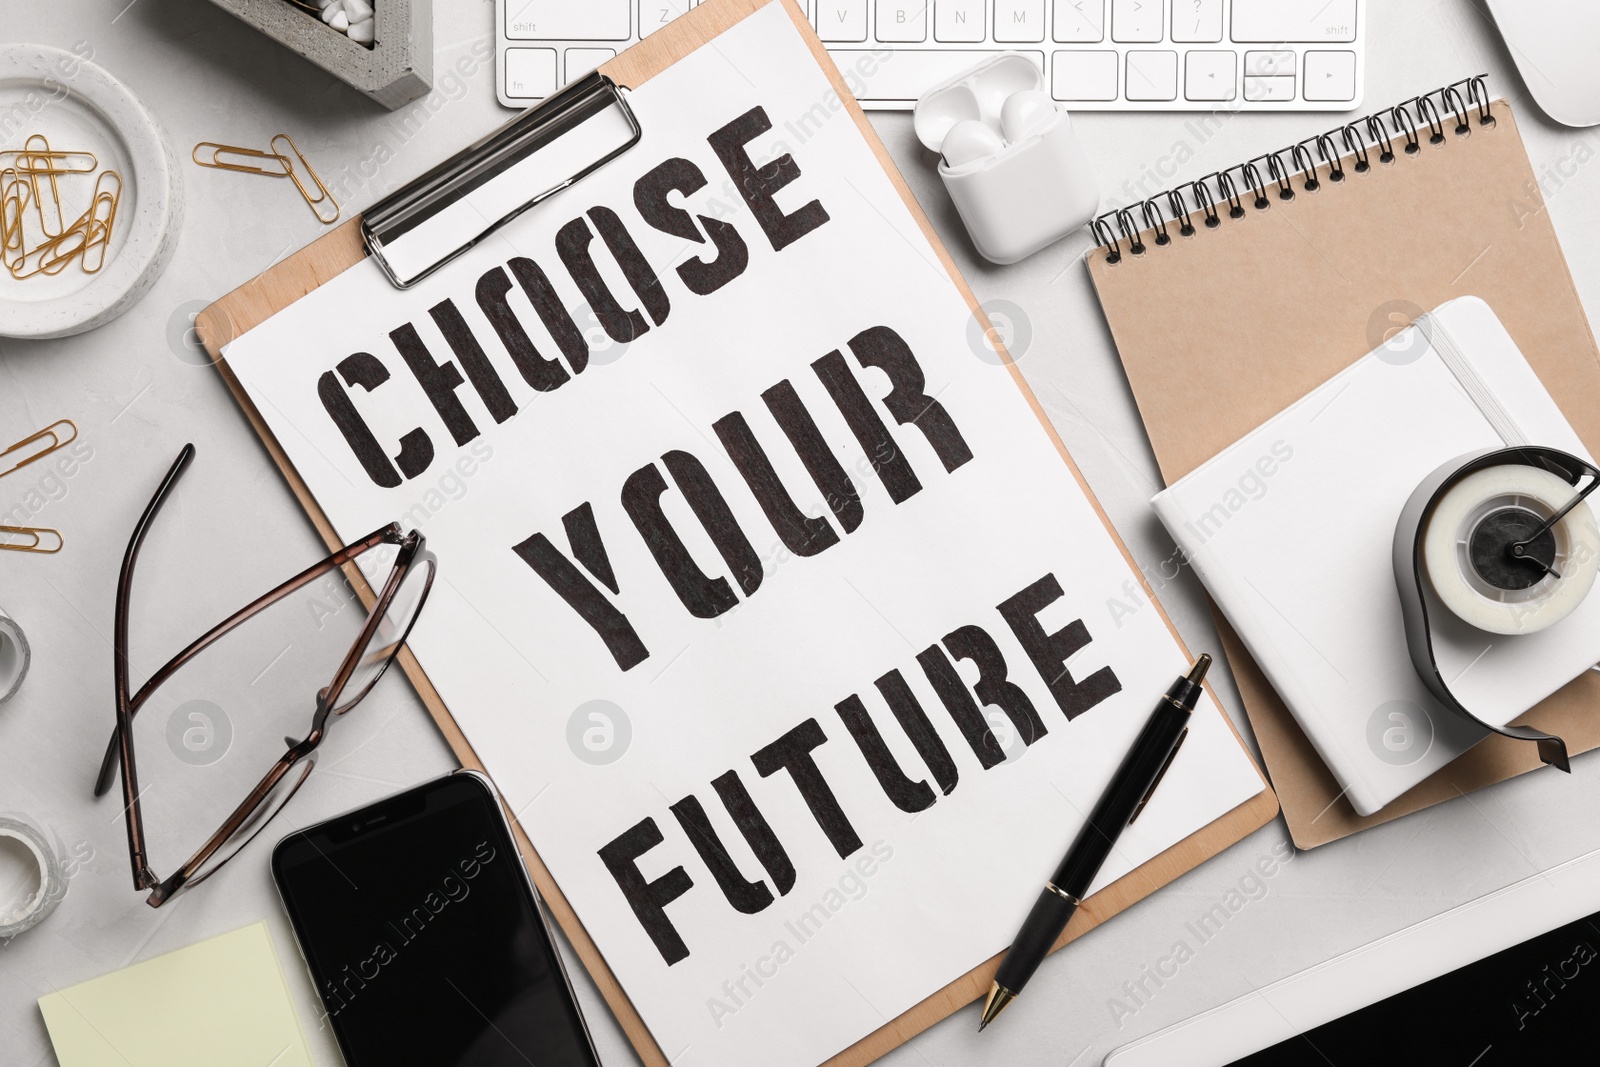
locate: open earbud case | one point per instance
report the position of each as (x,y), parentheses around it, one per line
(1009,158)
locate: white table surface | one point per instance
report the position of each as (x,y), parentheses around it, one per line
(138,389)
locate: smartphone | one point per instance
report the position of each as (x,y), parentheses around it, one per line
(425,937)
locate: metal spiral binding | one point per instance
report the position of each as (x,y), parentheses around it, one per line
(1367,142)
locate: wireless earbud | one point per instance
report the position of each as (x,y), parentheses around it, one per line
(1011,161)
(968,141)
(1027,114)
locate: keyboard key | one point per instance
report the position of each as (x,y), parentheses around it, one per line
(1018,21)
(1277,87)
(562,20)
(903,21)
(907,72)
(1084,75)
(654,14)
(1136,20)
(1210,75)
(1330,76)
(1080,21)
(1267,64)
(1289,21)
(958,20)
(1197,21)
(1152,75)
(582,60)
(530,72)
(842,20)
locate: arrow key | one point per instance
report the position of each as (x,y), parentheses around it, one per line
(1209,75)
(1330,76)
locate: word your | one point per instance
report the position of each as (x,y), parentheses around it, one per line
(1251,887)
(852,885)
(453,888)
(642,493)
(544,374)
(1048,653)
(1554,981)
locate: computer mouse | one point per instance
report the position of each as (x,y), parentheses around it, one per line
(1554,44)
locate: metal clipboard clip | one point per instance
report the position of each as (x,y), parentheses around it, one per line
(452,207)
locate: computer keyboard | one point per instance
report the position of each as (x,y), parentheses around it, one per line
(1096,55)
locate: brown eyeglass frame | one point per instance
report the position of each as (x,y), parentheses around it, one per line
(412,552)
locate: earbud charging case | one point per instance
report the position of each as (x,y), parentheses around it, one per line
(1027,195)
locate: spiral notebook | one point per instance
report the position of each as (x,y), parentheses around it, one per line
(1233,295)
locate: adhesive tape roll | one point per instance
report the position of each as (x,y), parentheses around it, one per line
(14,656)
(41,901)
(1465,550)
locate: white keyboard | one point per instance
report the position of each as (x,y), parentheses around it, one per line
(1096,55)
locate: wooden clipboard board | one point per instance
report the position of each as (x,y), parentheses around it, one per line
(277,288)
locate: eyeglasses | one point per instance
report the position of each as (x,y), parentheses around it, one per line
(390,616)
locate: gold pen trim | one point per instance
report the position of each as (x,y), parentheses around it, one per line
(1063,894)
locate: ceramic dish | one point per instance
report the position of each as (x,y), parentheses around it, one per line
(80,107)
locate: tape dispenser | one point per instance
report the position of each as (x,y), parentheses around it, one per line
(1497,552)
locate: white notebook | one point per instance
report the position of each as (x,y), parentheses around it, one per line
(1291,530)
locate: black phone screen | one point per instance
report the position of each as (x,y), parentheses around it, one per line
(423,938)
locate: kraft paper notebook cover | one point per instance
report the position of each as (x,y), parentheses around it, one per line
(1266,298)
(842,241)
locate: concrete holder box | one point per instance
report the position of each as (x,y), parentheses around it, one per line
(396,70)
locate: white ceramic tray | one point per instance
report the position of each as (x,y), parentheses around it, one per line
(80,107)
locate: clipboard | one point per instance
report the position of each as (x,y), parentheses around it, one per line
(381,231)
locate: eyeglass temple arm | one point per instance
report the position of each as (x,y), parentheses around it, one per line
(123,742)
(108,763)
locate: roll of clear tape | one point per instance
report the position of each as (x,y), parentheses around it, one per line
(1464,517)
(36,904)
(15,656)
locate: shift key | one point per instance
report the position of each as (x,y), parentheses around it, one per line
(1294,21)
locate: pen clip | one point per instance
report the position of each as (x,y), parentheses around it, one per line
(1162,773)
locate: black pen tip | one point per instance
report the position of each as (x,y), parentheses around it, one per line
(1198,672)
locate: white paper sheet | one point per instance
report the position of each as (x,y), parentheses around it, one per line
(928,894)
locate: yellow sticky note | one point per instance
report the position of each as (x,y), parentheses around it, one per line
(222,1001)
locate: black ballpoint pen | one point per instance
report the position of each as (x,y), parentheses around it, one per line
(1123,800)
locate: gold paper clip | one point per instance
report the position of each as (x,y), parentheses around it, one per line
(54,162)
(102,217)
(38,539)
(57,252)
(323,202)
(33,174)
(210,153)
(70,162)
(14,198)
(75,241)
(53,432)
(52,259)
